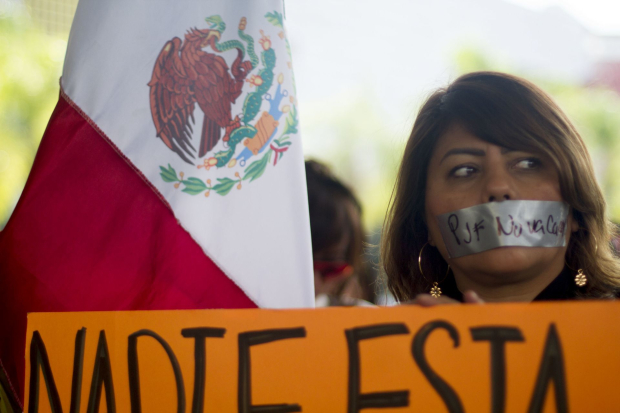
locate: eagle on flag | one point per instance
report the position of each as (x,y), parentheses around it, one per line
(186,75)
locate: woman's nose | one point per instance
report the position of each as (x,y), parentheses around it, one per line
(505,197)
(498,186)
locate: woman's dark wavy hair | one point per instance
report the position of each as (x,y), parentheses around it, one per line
(512,113)
(334,213)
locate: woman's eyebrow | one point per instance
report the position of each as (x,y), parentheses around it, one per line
(463,151)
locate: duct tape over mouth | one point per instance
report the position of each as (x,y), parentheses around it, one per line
(504,224)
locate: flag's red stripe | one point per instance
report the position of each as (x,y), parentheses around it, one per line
(90,234)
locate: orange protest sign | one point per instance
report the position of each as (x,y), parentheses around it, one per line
(513,358)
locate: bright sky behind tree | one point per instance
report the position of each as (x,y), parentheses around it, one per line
(599,16)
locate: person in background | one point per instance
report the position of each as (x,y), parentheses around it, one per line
(337,240)
(491,138)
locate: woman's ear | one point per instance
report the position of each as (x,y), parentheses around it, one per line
(574,225)
(431,242)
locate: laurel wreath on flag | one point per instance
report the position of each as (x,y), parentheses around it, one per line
(275,150)
(196,186)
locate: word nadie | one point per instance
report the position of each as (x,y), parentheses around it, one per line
(508,228)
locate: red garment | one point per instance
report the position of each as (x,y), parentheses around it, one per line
(90,233)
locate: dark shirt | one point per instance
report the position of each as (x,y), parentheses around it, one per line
(563,287)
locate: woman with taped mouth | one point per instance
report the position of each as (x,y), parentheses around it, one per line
(495,201)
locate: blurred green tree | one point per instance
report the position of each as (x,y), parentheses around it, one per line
(352,136)
(30,66)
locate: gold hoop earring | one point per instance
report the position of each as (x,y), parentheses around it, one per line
(435,290)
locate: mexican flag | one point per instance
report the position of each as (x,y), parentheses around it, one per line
(171,174)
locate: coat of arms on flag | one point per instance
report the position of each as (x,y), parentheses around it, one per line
(191,76)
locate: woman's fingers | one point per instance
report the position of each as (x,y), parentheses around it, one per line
(427,300)
(471,297)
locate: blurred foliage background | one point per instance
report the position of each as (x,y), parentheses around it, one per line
(30,67)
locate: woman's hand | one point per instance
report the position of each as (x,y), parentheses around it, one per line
(427,300)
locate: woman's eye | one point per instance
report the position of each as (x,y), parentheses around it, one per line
(462,171)
(529,163)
